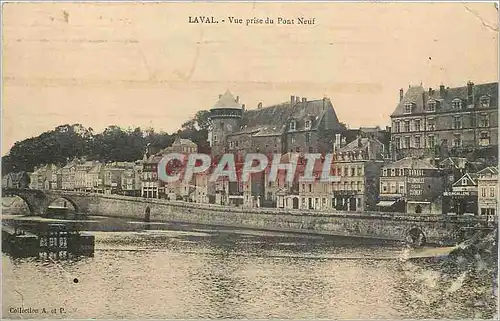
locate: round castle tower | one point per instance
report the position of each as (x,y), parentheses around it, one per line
(225,118)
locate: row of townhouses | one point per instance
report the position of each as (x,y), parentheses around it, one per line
(438,156)
(90,176)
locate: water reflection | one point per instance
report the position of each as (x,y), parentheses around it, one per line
(171,270)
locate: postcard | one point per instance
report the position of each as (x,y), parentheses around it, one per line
(250,160)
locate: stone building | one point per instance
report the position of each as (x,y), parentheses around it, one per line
(153,187)
(461,121)
(299,125)
(411,185)
(44,177)
(357,165)
(68,173)
(487,185)
(131,179)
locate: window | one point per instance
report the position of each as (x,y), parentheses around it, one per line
(431,106)
(393,187)
(484,121)
(307,137)
(353,171)
(360,172)
(384,187)
(430,141)
(398,142)
(416,125)
(417,141)
(456,103)
(401,188)
(457,141)
(483,192)
(384,172)
(430,124)
(292,140)
(406,143)
(393,172)
(303,187)
(397,127)
(310,187)
(485,101)
(231,144)
(492,192)
(308,124)
(457,122)
(484,139)
(293,125)
(406,127)
(401,172)
(408,108)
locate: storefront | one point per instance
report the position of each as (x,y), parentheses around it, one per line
(460,202)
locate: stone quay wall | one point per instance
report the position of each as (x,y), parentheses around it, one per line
(375,225)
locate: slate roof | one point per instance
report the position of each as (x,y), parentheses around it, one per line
(356,146)
(227,100)
(420,97)
(274,120)
(410,162)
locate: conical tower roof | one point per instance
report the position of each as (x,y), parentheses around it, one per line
(227,100)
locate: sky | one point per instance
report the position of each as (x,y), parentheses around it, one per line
(144,64)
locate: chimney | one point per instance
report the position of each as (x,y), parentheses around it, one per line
(442,91)
(359,140)
(237,99)
(304,99)
(243,107)
(259,106)
(431,92)
(220,96)
(470,92)
(401,92)
(337,141)
(292,100)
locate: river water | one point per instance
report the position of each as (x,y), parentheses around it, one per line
(185,271)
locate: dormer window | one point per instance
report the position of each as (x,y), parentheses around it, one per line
(485,101)
(408,108)
(293,125)
(308,124)
(431,106)
(457,103)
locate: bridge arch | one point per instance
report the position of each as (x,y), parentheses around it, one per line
(65,198)
(26,200)
(415,236)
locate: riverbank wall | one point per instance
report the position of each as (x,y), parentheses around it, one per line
(383,226)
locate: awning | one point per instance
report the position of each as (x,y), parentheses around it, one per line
(386,203)
(418,202)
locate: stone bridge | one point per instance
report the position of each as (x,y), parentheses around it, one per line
(38,201)
(420,228)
